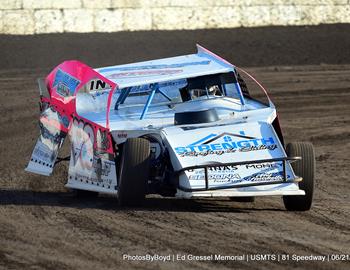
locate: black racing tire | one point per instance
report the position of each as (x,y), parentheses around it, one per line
(134,172)
(85,194)
(243,199)
(304,168)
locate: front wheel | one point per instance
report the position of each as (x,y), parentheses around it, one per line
(134,172)
(304,168)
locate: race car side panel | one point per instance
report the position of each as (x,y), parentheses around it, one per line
(58,110)
(92,163)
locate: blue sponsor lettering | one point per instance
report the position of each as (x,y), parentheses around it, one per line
(203,147)
(229,145)
(255,142)
(192,148)
(180,150)
(216,146)
(65,82)
(243,143)
(265,143)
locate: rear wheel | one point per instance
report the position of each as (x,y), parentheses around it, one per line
(134,172)
(306,169)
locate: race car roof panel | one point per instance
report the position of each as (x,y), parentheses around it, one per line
(166,69)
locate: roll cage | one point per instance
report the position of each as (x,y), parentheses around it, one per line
(203,83)
(201,71)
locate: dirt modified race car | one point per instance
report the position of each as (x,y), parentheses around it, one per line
(185,126)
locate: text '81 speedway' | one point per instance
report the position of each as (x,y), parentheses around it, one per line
(184,126)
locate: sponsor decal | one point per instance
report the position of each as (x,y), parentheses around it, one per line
(221,174)
(237,174)
(270,165)
(88,178)
(101,167)
(265,177)
(260,147)
(51,133)
(218,177)
(90,159)
(144,73)
(122,135)
(65,83)
(51,117)
(82,137)
(97,84)
(161,66)
(228,143)
(234,175)
(53,127)
(177,83)
(42,153)
(223,168)
(102,141)
(235,178)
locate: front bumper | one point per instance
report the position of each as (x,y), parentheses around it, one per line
(237,189)
(285,189)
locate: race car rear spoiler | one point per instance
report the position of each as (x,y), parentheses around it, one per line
(219,164)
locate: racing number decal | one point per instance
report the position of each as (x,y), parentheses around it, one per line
(92,156)
(82,137)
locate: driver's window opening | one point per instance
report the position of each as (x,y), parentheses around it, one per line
(208,92)
(183,90)
(250,89)
(170,93)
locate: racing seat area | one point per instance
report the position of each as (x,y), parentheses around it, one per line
(209,85)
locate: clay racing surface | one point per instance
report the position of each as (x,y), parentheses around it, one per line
(43,226)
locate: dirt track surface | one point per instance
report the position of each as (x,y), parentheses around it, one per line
(43,226)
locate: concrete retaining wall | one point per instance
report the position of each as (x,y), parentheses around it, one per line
(57,16)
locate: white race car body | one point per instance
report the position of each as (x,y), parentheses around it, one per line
(237,151)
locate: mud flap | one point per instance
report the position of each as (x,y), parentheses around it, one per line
(53,130)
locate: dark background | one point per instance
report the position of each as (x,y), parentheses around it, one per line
(262,46)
